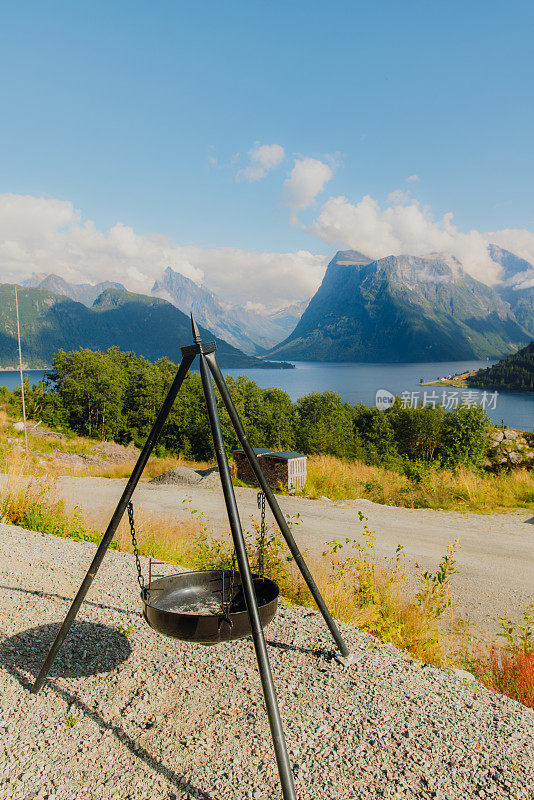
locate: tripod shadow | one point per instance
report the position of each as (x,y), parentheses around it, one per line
(309,651)
(90,649)
(39,593)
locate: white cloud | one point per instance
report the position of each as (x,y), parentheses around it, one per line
(46,235)
(256,308)
(263,158)
(399,196)
(408,227)
(307,178)
(412,178)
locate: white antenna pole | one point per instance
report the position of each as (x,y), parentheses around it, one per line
(21,378)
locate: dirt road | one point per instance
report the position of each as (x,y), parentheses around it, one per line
(495,562)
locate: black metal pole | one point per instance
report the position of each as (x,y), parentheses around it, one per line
(346,655)
(150,443)
(280,749)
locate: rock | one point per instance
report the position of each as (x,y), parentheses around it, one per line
(463,674)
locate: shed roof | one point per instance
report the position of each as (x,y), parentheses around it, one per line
(264,451)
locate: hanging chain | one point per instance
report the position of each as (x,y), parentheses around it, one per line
(261,548)
(226,600)
(140,578)
(233,568)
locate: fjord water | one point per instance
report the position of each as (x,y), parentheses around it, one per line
(358,383)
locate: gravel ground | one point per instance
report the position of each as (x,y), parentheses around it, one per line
(138,716)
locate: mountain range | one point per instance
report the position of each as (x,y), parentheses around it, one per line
(85,293)
(145,325)
(395,309)
(246,329)
(408,308)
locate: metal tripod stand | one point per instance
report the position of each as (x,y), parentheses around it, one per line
(208,363)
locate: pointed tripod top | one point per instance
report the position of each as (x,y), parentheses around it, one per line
(196,334)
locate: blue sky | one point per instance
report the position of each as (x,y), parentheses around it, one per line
(145,114)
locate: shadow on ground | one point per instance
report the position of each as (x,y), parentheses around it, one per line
(89,649)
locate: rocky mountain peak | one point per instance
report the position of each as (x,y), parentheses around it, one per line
(350,258)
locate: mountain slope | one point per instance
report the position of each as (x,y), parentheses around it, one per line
(515,373)
(208,309)
(287,318)
(85,293)
(517,285)
(250,331)
(145,325)
(401,309)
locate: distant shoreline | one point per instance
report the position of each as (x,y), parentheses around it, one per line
(452,380)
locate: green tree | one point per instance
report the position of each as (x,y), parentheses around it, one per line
(417,430)
(325,425)
(464,438)
(376,434)
(90,386)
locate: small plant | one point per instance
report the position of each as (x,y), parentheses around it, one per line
(510,672)
(419,472)
(126,630)
(510,669)
(434,595)
(519,635)
(293,520)
(71,721)
(374,595)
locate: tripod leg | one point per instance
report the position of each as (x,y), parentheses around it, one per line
(280,749)
(346,656)
(150,443)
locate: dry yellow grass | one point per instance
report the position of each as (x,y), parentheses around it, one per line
(464,489)
(357,589)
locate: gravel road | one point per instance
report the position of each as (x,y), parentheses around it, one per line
(495,562)
(137,716)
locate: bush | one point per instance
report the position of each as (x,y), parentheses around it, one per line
(325,425)
(510,669)
(417,431)
(374,429)
(464,437)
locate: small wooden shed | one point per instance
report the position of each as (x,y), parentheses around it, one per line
(281,469)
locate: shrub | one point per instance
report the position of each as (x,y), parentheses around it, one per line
(464,437)
(417,430)
(510,669)
(325,425)
(375,595)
